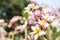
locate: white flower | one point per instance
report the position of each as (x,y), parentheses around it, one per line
(37,32)
(23,26)
(33,6)
(13,20)
(51,18)
(43,23)
(48,18)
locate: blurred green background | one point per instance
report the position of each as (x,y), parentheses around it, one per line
(10,8)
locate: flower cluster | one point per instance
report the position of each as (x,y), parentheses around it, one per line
(39,19)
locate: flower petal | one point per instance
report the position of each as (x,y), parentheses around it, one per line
(35,37)
(33,28)
(42,33)
(32,33)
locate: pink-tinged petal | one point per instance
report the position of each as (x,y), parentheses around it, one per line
(13,20)
(42,33)
(46,25)
(23,26)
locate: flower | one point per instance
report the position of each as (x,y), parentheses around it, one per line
(13,21)
(23,26)
(43,23)
(2,31)
(34,7)
(48,17)
(37,32)
(2,23)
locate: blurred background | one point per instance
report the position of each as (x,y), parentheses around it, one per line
(10,8)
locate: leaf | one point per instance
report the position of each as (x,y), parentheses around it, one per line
(26,15)
(40,8)
(55,35)
(39,38)
(16,37)
(54,30)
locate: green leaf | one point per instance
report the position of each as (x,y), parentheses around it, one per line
(26,15)
(55,35)
(40,8)
(16,37)
(54,30)
(39,38)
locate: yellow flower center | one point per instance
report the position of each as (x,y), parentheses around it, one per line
(37,31)
(43,23)
(46,18)
(33,7)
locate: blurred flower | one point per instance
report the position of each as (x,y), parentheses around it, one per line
(49,17)
(43,23)
(34,7)
(23,26)
(37,32)
(13,21)
(2,31)
(2,23)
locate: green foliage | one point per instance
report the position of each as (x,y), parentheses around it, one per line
(13,7)
(40,8)
(54,30)
(55,33)
(26,15)
(16,37)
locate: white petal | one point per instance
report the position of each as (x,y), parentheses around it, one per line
(32,33)
(37,26)
(46,25)
(33,28)
(35,37)
(23,26)
(42,33)
(51,18)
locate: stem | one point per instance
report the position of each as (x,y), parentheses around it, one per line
(49,33)
(12,36)
(25,33)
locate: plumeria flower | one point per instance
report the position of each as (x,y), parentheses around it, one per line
(43,23)
(49,18)
(37,32)
(23,26)
(2,23)
(46,17)
(34,7)
(32,21)
(13,20)
(28,7)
